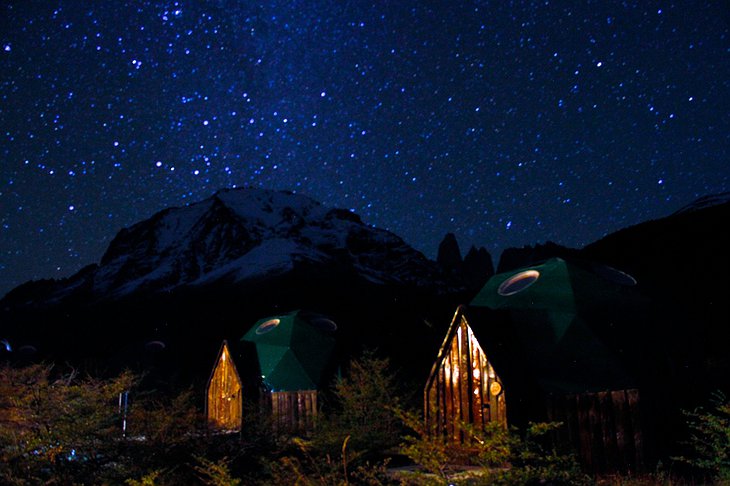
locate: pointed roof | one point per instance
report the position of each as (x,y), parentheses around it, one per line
(225,353)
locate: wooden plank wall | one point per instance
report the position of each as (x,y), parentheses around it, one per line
(460,391)
(294,411)
(604,427)
(224,395)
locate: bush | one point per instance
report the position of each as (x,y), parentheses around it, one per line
(494,455)
(364,412)
(310,467)
(351,440)
(709,443)
(60,428)
(57,429)
(215,473)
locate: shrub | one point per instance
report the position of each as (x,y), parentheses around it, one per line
(501,455)
(60,428)
(216,473)
(57,428)
(709,442)
(350,440)
(364,412)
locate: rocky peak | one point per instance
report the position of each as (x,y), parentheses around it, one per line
(512,258)
(242,234)
(449,254)
(478,267)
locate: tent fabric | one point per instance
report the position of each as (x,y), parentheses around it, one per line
(560,322)
(552,290)
(293,354)
(289,374)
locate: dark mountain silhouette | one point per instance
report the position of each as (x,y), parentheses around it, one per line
(477,268)
(473,270)
(512,258)
(188,277)
(449,254)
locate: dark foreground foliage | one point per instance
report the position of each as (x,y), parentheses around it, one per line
(62,428)
(708,446)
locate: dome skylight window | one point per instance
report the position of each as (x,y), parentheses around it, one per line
(267,326)
(518,282)
(614,275)
(324,324)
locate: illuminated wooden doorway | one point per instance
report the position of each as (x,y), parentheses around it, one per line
(463,387)
(224,400)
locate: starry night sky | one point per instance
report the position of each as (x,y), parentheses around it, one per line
(505,122)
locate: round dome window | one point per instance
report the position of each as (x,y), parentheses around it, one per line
(518,282)
(614,275)
(267,326)
(324,324)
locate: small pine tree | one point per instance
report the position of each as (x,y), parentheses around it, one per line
(709,443)
(366,402)
(216,473)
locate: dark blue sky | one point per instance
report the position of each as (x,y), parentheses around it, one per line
(507,123)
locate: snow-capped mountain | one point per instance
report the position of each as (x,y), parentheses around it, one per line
(706,202)
(243,234)
(188,277)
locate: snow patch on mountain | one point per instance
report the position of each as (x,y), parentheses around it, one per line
(705,202)
(273,257)
(242,234)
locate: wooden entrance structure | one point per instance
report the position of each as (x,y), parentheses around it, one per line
(463,387)
(224,400)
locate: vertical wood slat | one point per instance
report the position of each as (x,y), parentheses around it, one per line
(301,415)
(607,419)
(584,430)
(466,381)
(624,444)
(313,409)
(594,413)
(632,397)
(605,429)
(596,433)
(453,387)
(439,407)
(572,419)
(448,405)
(477,390)
(273,398)
(294,411)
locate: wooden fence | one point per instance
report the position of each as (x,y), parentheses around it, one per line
(294,411)
(604,427)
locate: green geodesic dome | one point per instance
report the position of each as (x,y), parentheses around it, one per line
(562,314)
(294,350)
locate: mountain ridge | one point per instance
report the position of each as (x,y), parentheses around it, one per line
(239,234)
